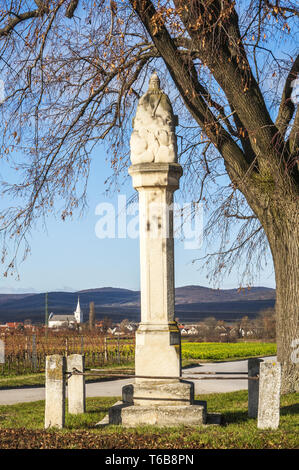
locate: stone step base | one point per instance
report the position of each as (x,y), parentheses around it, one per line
(163,415)
(132,416)
(129,415)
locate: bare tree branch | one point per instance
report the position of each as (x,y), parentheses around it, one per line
(287,107)
(14,20)
(71,8)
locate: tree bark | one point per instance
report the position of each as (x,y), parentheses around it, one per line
(283,236)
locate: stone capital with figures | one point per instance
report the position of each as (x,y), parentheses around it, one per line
(153,139)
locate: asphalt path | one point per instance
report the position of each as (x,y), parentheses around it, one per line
(113,388)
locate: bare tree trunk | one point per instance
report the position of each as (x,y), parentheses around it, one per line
(284,242)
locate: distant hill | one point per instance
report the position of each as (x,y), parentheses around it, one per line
(193,303)
(197,294)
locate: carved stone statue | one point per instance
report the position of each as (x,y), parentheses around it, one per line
(153,138)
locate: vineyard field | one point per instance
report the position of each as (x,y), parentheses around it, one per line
(25,354)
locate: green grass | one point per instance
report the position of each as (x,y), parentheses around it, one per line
(27,380)
(31,415)
(21,426)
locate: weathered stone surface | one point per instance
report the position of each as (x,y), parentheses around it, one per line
(127,394)
(160,175)
(115,413)
(76,384)
(154,354)
(153,138)
(128,414)
(253,386)
(153,393)
(158,336)
(131,416)
(55,391)
(269,395)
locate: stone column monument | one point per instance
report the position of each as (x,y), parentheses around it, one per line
(159,397)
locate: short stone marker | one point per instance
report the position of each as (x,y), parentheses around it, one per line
(55,391)
(269,395)
(76,384)
(253,386)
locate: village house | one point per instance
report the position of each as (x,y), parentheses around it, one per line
(11,326)
(188,330)
(115,331)
(69,321)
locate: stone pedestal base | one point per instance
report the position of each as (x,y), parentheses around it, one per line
(167,415)
(159,404)
(158,347)
(159,393)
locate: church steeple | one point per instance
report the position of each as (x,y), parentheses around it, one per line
(78,313)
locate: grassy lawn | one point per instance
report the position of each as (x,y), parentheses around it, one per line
(21,426)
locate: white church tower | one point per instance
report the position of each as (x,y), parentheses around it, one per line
(78,313)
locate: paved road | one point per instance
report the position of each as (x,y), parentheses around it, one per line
(221,386)
(113,388)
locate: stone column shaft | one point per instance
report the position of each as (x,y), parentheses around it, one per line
(156,255)
(158,346)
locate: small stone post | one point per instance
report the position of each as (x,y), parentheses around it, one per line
(76,384)
(269,395)
(253,386)
(55,391)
